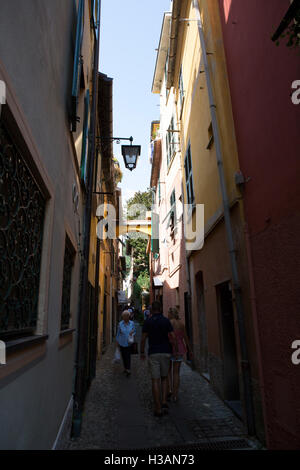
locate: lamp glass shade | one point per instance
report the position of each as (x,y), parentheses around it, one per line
(130,154)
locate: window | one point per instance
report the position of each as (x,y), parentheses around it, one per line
(173,210)
(85,138)
(210,137)
(181,92)
(67,282)
(177,301)
(170,142)
(189,176)
(22,211)
(173,215)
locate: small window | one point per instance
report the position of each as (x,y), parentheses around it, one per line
(173,215)
(189,176)
(170,142)
(210,137)
(85,138)
(67,283)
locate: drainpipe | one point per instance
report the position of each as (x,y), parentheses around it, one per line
(255,327)
(81,356)
(245,365)
(188,279)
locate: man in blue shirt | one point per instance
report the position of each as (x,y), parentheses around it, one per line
(126,329)
(159,331)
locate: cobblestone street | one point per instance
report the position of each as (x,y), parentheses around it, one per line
(118,412)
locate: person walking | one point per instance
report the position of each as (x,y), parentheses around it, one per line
(183,345)
(147,313)
(158,329)
(125,338)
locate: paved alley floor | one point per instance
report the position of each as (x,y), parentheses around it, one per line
(119,412)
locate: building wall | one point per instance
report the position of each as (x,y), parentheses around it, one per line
(213,259)
(36,62)
(196,117)
(267,130)
(171,264)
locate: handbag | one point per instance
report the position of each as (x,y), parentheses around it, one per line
(117,356)
(130,339)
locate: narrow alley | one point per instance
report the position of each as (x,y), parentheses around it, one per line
(149,196)
(119,414)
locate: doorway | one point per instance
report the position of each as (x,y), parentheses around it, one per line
(104,324)
(228,341)
(188,321)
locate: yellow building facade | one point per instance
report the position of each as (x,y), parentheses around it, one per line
(217,310)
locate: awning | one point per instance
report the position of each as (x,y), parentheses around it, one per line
(157,281)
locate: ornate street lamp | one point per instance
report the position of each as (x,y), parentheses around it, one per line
(131,154)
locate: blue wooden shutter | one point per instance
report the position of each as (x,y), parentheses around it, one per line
(77,64)
(85,138)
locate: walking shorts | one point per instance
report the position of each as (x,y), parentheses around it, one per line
(159,365)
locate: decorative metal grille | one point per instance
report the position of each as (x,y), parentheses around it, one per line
(22,209)
(67,281)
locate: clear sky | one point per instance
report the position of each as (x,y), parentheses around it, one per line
(130,32)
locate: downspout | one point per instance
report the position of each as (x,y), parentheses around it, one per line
(80,366)
(188,277)
(245,365)
(255,327)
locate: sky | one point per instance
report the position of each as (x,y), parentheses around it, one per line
(130,33)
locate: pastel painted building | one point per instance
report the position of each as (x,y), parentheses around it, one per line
(216,291)
(169,262)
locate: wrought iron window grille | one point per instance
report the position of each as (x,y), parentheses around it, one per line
(22,210)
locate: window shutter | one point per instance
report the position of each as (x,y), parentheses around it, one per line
(77,65)
(85,137)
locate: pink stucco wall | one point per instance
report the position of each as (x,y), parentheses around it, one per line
(267,126)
